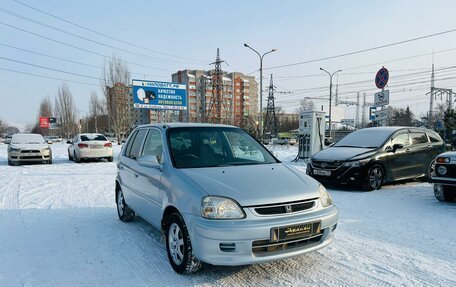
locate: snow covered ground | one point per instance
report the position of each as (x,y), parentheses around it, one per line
(59,227)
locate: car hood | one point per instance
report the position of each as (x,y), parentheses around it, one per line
(30,146)
(342,153)
(255,184)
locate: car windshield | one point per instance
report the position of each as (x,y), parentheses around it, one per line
(212,147)
(27,139)
(365,138)
(86,138)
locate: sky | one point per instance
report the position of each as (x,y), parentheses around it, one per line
(158,38)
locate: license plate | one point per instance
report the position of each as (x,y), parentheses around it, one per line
(322,172)
(95,146)
(298,231)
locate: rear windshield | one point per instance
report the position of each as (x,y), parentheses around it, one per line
(365,138)
(85,138)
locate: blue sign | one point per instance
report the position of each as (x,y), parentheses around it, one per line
(381,79)
(372,111)
(439,125)
(159,95)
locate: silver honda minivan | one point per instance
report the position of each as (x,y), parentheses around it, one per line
(220,197)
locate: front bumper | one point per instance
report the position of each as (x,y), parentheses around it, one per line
(443,180)
(25,156)
(342,174)
(231,242)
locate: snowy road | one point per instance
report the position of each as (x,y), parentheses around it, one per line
(59,227)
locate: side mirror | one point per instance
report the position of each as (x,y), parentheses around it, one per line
(394,148)
(149,160)
(69,142)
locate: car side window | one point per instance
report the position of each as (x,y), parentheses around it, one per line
(402,139)
(136,145)
(129,144)
(418,138)
(434,138)
(153,144)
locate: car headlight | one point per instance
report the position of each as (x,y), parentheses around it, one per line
(14,149)
(325,198)
(45,149)
(214,207)
(441,170)
(356,163)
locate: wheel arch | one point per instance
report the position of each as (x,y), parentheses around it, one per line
(170,209)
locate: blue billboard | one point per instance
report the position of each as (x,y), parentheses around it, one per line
(159,95)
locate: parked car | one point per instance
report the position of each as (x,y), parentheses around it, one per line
(8,139)
(53,139)
(219,203)
(284,141)
(28,148)
(89,146)
(374,156)
(444,176)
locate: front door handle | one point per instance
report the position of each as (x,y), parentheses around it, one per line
(136,175)
(407,150)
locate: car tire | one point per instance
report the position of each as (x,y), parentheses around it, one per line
(70,158)
(125,213)
(179,247)
(374,179)
(110,159)
(76,158)
(444,193)
(10,163)
(430,172)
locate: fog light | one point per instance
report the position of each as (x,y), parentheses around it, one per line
(442,170)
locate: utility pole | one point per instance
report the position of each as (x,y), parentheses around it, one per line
(330,96)
(270,126)
(357,110)
(431,101)
(363,120)
(261,85)
(217,99)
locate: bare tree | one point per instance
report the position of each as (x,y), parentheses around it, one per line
(65,110)
(115,84)
(95,108)
(3,127)
(45,110)
(306,105)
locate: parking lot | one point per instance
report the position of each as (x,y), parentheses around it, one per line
(59,227)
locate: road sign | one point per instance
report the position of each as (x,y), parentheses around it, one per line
(381,79)
(44,122)
(348,122)
(381,98)
(52,123)
(381,115)
(159,95)
(372,113)
(439,125)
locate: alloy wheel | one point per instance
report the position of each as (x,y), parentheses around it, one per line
(376,177)
(176,243)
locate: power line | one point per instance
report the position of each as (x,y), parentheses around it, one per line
(103,34)
(66,60)
(163,61)
(49,68)
(76,47)
(47,77)
(364,50)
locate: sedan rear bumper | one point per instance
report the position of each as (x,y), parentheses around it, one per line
(247,241)
(95,153)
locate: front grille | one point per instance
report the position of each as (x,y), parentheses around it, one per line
(31,157)
(30,151)
(283,208)
(265,247)
(326,164)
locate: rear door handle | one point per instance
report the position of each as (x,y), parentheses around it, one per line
(407,150)
(136,175)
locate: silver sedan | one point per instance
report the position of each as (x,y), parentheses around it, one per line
(220,197)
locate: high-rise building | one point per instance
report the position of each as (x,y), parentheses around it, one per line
(239,97)
(121,102)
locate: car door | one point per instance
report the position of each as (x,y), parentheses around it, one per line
(420,152)
(398,161)
(148,179)
(126,169)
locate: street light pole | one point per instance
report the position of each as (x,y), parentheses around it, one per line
(330,96)
(261,85)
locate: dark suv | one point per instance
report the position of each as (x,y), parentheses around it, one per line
(373,156)
(444,177)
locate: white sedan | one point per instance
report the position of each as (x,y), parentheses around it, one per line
(90,146)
